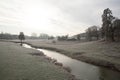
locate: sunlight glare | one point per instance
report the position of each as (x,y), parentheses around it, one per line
(38,16)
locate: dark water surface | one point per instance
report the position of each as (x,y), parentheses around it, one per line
(81,70)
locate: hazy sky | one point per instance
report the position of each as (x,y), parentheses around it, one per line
(54,17)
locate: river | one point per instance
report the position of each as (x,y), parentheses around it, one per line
(81,70)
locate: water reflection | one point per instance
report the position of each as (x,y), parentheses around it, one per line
(80,69)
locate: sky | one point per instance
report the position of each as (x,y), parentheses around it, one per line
(53,17)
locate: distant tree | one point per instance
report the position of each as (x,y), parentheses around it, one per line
(92,32)
(62,38)
(116,26)
(107,29)
(78,37)
(21,37)
(1,35)
(51,37)
(88,34)
(6,36)
(44,36)
(66,37)
(96,32)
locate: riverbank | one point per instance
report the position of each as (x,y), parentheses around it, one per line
(96,52)
(19,63)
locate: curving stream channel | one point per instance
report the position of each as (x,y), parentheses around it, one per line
(81,70)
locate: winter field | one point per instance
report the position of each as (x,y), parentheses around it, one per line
(16,63)
(95,52)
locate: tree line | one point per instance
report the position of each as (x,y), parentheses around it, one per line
(8,36)
(109,31)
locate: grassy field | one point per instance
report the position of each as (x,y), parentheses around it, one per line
(96,52)
(17,64)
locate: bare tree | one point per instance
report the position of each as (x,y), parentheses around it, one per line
(78,37)
(21,37)
(92,32)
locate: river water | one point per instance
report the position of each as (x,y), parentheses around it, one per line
(81,70)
